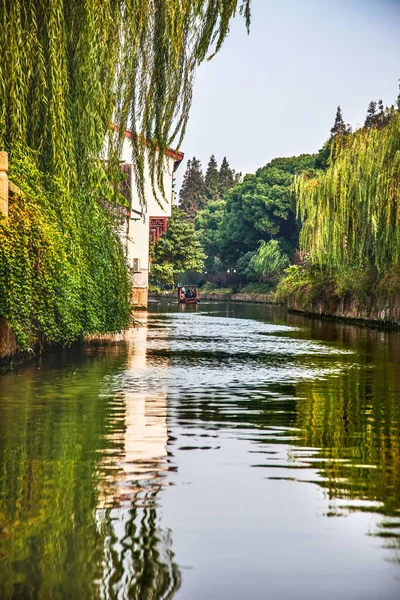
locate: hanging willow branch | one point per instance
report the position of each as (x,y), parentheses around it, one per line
(70,67)
(351,213)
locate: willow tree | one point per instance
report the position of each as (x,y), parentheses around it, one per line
(69,68)
(351,213)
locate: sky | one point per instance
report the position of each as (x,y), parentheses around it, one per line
(275,92)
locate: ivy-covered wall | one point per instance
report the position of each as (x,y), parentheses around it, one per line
(63,272)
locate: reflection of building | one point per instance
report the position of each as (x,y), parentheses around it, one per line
(151,222)
(137,553)
(142,433)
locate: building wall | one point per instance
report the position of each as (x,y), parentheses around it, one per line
(138,238)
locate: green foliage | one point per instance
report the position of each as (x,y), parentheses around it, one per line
(67,69)
(175,252)
(378,115)
(322,158)
(339,127)
(191,195)
(62,265)
(198,191)
(210,286)
(256,288)
(259,208)
(70,67)
(269,261)
(244,266)
(227,178)
(351,213)
(305,283)
(211,180)
(221,291)
(209,223)
(309,283)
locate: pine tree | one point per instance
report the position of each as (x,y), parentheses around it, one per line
(191,195)
(381,117)
(211,180)
(370,119)
(339,126)
(226,177)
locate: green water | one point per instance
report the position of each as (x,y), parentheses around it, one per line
(229,452)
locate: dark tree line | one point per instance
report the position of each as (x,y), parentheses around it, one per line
(197,189)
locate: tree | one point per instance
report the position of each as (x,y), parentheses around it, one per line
(211,180)
(72,67)
(323,157)
(68,68)
(261,208)
(175,252)
(269,261)
(208,224)
(339,127)
(226,177)
(370,119)
(361,227)
(191,195)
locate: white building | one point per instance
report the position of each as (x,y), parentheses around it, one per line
(151,223)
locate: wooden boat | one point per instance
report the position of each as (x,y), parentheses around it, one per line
(188,294)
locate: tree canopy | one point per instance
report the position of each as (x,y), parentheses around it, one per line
(350,213)
(259,208)
(67,69)
(198,190)
(211,180)
(191,194)
(70,67)
(175,252)
(227,178)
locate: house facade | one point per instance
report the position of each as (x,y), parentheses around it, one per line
(147,223)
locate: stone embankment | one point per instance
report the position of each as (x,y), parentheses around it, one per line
(349,309)
(259,298)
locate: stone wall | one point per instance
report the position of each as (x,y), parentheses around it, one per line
(259,298)
(350,308)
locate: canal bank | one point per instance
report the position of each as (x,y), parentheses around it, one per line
(349,310)
(343,310)
(227,297)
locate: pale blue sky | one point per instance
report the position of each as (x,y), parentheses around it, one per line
(275,92)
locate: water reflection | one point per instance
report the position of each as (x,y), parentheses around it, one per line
(138,560)
(138,429)
(319,401)
(224,443)
(82,460)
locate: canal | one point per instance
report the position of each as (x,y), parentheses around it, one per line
(228,452)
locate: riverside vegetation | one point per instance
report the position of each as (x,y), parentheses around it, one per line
(67,70)
(322,227)
(350,218)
